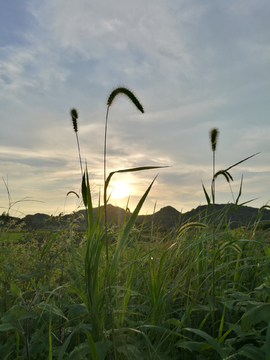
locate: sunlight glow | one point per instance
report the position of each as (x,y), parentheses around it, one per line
(119,190)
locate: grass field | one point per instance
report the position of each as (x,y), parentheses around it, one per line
(166,300)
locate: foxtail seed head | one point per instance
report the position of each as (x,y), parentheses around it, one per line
(214,133)
(74,117)
(128,93)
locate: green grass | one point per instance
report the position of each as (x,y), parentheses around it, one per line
(161,297)
(11,236)
(23,235)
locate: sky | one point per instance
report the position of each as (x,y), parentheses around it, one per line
(193,64)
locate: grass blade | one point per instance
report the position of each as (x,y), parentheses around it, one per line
(206,196)
(240,191)
(210,341)
(225,173)
(239,162)
(126,231)
(130,170)
(92,347)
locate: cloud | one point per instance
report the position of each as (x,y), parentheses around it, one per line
(192,65)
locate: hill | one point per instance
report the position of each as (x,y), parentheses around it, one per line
(165,219)
(168,217)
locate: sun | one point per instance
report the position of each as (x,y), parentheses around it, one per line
(119,190)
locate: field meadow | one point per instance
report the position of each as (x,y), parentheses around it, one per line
(166,301)
(199,291)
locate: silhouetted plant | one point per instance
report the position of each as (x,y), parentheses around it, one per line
(74,117)
(116,92)
(214,134)
(100,306)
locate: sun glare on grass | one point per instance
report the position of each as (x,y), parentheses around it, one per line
(119,190)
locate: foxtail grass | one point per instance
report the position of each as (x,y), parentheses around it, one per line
(74,117)
(214,134)
(98,296)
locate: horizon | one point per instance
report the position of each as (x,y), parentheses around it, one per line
(193,66)
(20,216)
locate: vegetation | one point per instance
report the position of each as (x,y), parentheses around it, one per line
(214,134)
(113,293)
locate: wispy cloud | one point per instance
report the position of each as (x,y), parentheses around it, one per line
(194,65)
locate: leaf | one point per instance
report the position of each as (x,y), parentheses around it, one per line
(80,294)
(239,162)
(127,229)
(262,208)
(15,290)
(26,277)
(160,273)
(255,316)
(53,309)
(130,351)
(6,357)
(92,347)
(89,204)
(79,352)
(244,203)
(77,310)
(206,196)
(28,315)
(189,345)
(103,348)
(252,352)
(131,170)
(209,339)
(6,327)
(225,173)
(174,322)
(65,345)
(240,191)
(267,251)
(84,190)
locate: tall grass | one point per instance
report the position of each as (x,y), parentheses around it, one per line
(214,134)
(97,303)
(74,117)
(161,299)
(117,294)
